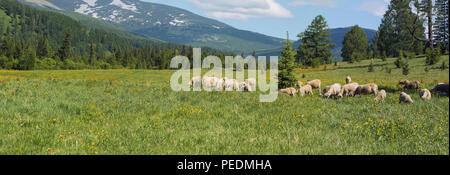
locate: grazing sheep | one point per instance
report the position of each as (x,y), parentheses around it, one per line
(441,88)
(348,90)
(425,94)
(348,80)
(196,81)
(220,84)
(289,91)
(325,90)
(251,84)
(307,89)
(334,90)
(381,95)
(315,84)
(299,84)
(366,89)
(410,85)
(231,84)
(405,98)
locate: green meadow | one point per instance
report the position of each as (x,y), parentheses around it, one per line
(104,112)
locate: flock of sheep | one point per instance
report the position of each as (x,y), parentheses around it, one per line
(336,90)
(352,89)
(219,84)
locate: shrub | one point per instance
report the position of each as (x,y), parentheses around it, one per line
(433,56)
(427,69)
(46,64)
(405,69)
(400,62)
(371,67)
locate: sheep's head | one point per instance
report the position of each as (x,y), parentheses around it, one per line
(403,82)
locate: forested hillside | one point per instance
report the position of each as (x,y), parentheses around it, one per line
(37,39)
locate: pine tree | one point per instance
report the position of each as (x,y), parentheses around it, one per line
(43,49)
(441,26)
(355,41)
(92,57)
(394,32)
(316,44)
(65,48)
(286,77)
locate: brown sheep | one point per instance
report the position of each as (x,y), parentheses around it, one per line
(315,84)
(366,89)
(425,94)
(307,89)
(381,95)
(441,88)
(410,85)
(289,91)
(348,90)
(348,80)
(334,90)
(405,98)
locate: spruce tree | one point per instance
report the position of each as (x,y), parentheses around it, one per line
(355,41)
(43,49)
(316,44)
(65,48)
(286,77)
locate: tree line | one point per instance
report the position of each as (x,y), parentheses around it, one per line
(36,39)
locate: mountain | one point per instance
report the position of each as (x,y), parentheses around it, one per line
(336,36)
(165,23)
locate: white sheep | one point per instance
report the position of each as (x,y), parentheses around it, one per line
(289,91)
(333,90)
(425,94)
(315,84)
(307,89)
(348,90)
(380,95)
(405,98)
(196,81)
(367,89)
(231,84)
(348,80)
(250,84)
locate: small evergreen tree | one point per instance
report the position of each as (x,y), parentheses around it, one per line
(286,77)
(371,67)
(405,69)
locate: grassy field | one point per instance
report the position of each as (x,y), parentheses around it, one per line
(136,112)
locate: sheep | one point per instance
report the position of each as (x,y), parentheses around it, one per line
(441,88)
(367,89)
(307,89)
(251,84)
(299,84)
(405,98)
(348,80)
(410,85)
(220,84)
(325,90)
(425,94)
(334,90)
(230,84)
(196,81)
(381,95)
(348,90)
(289,91)
(315,84)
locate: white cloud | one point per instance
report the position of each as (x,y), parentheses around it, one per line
(243,9)
(325,3)
(375,7)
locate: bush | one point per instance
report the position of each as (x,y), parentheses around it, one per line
(388,70)
(405,69)
(46,64)
(400,62)
(443,66)
(427,69)
(383,56)
(371,67)
(433,56)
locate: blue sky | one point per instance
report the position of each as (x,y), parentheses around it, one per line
(275,17)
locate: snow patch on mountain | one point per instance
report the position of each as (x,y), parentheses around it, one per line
(90,2)
(119,3)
